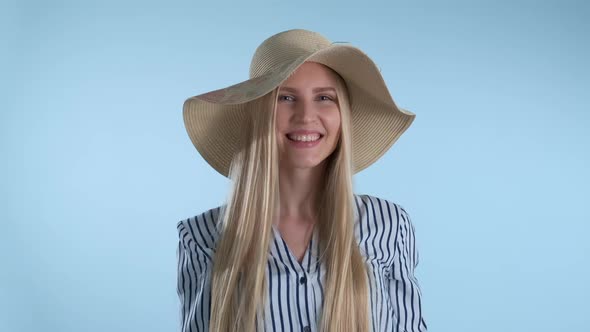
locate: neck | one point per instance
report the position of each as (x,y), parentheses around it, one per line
(299,190)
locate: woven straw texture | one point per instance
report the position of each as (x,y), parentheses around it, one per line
(213,120)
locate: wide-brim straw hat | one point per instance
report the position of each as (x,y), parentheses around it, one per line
(214,119)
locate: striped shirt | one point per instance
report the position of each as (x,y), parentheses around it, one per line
(385,235)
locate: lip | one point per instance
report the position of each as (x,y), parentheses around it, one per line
(304,132)
(305,145)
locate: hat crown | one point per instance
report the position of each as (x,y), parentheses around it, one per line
(284,47)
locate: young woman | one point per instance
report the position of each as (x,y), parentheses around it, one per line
(293,248)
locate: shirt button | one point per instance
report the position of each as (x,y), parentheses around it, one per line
(307,329)
(302,280)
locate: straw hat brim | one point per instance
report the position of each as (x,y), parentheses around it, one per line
(213,120)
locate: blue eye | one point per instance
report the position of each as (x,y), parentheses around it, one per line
(327,98)
(286,98)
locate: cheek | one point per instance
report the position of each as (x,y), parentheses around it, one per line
(333,122)
(279,123)
(281,119)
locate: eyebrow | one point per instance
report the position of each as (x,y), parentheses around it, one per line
(314,90)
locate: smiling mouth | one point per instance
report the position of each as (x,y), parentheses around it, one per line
(304,138)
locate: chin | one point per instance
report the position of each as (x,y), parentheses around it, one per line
(303,164)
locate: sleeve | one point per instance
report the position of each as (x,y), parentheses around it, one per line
(403,287)
(189,268)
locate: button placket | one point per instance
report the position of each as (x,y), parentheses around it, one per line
(303,299)
(303,280)
(300,285)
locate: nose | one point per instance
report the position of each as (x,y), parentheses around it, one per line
(305,111)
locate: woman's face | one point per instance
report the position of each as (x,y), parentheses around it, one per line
(307,117)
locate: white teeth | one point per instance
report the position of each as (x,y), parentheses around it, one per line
(304,138)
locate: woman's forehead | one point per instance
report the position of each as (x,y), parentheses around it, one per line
(311,75)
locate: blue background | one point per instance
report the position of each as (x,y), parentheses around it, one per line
(97,167)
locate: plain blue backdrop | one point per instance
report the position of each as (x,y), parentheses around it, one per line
(97,167)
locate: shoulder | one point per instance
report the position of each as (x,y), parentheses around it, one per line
(373,208)
(378,215)
(201,231)
(383,227)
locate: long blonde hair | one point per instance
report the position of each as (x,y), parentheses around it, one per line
(238,278)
